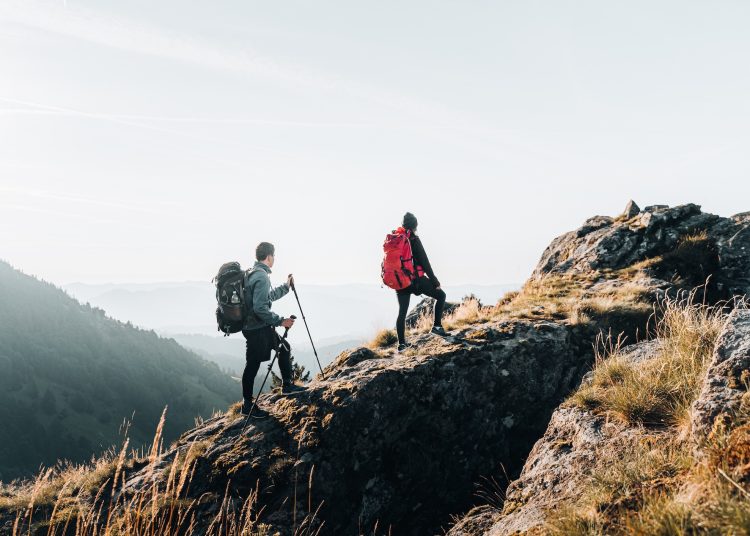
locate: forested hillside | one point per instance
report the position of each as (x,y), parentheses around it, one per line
(69,376)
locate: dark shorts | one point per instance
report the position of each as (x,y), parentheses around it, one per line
(421,285)
(260,343)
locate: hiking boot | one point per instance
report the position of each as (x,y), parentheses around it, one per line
(438,330)
(258,412)
(247,405)
(290,388)
(403,347)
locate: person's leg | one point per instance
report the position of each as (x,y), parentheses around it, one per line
(252,363)
(285,366)
(428,289)
(285,361)
(403,307)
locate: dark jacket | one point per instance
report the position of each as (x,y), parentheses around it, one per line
(258,297)
(420,258)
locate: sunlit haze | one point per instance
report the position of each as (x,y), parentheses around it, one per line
(152,141)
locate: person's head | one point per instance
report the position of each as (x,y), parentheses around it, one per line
(410,222)
(265,253)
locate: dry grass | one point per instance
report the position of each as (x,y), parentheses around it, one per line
(653,482)
(659,390)
(553,296)
(93,500)
(384,338)
(574,297)
(469,312)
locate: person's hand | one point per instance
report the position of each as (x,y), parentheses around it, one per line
(290,280)
(287,323)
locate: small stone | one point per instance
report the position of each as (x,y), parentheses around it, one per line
(631,210)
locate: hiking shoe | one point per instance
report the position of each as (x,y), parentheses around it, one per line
(438,330)
(246,407)
(403,347)
(290,388)
(258,412)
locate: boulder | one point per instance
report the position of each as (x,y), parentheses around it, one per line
(728,378)
(631,210)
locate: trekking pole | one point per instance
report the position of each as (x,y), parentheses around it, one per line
(308,331)
(262,385)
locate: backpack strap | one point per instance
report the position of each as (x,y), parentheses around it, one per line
(245,303)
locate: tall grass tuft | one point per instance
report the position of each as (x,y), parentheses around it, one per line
(657,391)
(94,500)
(651,480)
(384,338)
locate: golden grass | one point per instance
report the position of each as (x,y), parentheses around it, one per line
(384,338)
(469,312)
(424,323)
(572,297)
(92,500)
(652,481)
(661,389)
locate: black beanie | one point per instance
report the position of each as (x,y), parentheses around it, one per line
(410,221)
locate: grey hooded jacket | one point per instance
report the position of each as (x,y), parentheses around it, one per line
(258,297)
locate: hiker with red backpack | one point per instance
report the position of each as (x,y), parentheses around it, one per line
(407,270)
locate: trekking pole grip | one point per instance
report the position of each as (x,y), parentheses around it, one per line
(286,331)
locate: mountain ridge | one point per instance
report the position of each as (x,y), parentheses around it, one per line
(396,443)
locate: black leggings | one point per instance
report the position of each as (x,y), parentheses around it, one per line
(423,285)
(260,343)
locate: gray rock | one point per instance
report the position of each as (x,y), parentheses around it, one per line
(657,231)
(562,461)
(397,440)
(728,376)
(631,210)
(559,464)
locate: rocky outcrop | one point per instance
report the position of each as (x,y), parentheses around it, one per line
(725,389)
(557,467)
(562,461)
(397,441)
(719,247)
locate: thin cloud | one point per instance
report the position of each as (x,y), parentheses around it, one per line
(67,198)
(138,124)
(176,119)
(72,215)
(137,37)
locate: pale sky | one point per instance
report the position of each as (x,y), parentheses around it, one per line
(154,140)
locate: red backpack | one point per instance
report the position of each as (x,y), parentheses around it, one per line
(398,270)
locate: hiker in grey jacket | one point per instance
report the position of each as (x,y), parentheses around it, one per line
(259,329)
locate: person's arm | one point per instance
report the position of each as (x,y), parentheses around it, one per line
(420,256)
(261,308)
(278,292)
